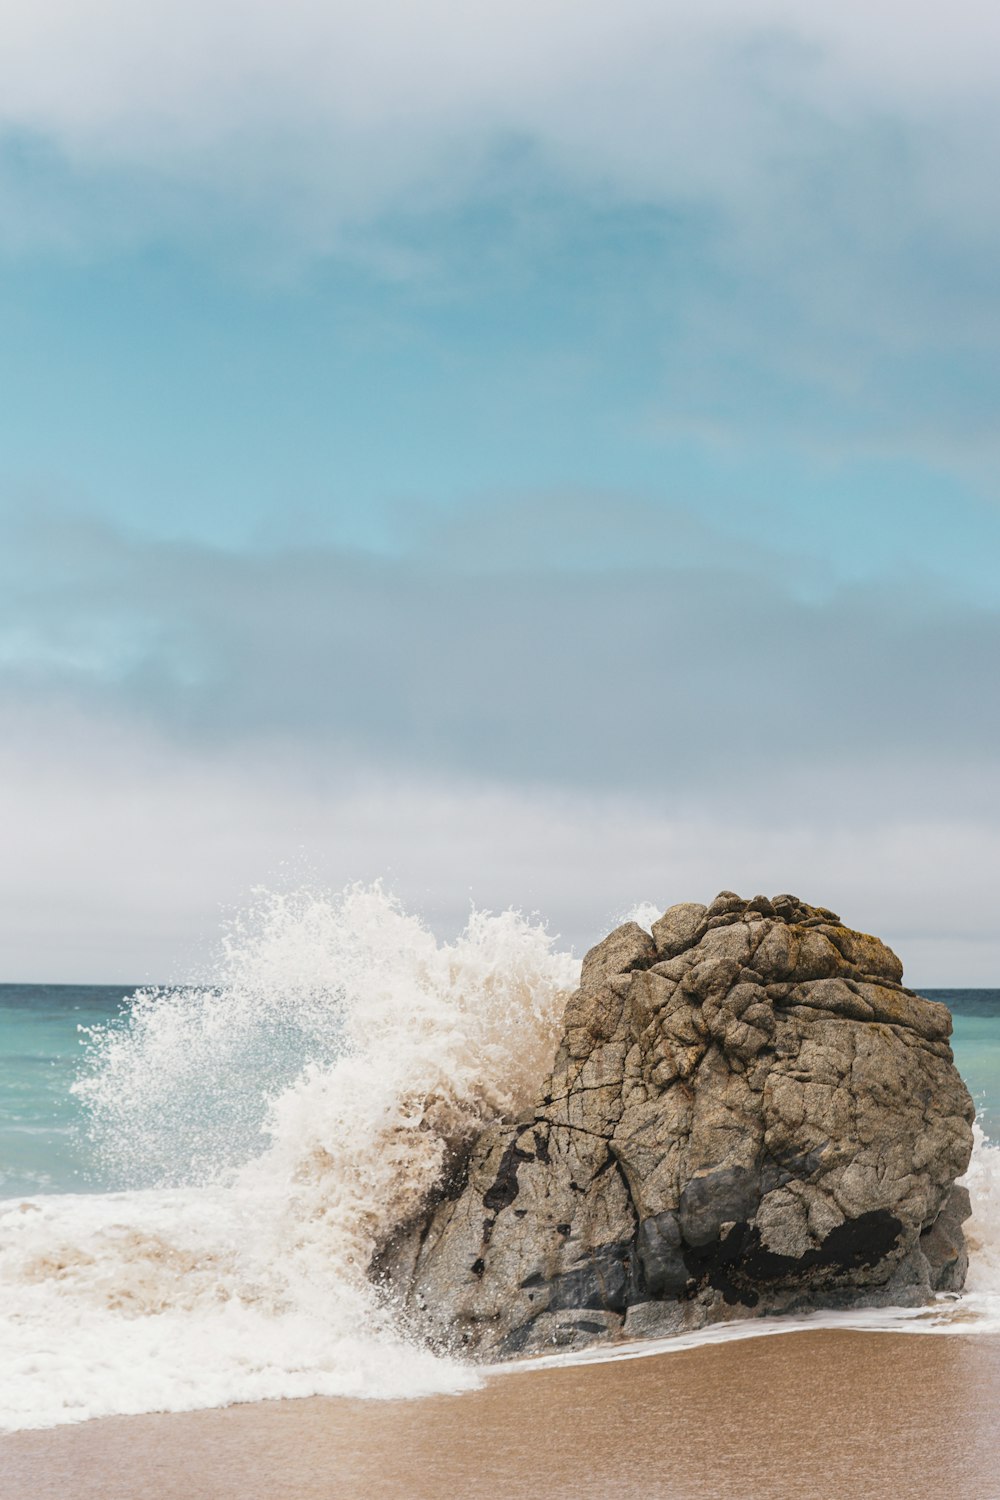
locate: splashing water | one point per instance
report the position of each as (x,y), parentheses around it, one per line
(434,1042)
(982,1231)
(312,989)
(290,1115)
(272,1127)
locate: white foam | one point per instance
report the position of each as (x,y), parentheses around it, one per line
(169,1301)
(249,1280)
(982,1231)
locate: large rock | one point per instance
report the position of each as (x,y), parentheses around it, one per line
(747,1114)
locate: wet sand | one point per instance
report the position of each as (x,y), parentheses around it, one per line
(823,1415)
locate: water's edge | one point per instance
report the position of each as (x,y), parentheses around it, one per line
(189,1199)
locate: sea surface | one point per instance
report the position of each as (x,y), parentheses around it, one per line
(45,1032)
(192,1178)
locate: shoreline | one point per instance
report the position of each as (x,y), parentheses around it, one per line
(804,1415)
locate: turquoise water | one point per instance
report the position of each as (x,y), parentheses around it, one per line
(43,1141)
(43,1145)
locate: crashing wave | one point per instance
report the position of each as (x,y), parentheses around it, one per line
(271,1128)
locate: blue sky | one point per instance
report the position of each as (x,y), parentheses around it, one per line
(585,420)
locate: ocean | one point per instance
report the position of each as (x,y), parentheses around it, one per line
(192,1178)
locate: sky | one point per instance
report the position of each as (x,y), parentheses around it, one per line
(540,455)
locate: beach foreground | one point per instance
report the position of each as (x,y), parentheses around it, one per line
(817,1415)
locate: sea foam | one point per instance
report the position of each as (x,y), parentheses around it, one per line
(269,1128)
(272,1127)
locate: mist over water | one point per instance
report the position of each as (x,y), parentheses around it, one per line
(264,1131)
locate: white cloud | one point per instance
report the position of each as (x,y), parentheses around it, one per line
(195,69)
(336,114)
(815,181)
(121,854)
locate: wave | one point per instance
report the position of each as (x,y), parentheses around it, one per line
(269,1128)
(273,1126)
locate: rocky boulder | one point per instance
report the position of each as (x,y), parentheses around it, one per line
(748,1114)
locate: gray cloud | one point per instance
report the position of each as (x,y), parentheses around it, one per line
(176,723)
(680,674)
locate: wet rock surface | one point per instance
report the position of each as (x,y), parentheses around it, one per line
(748,1114)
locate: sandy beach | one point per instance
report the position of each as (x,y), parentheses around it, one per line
(821,1415)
